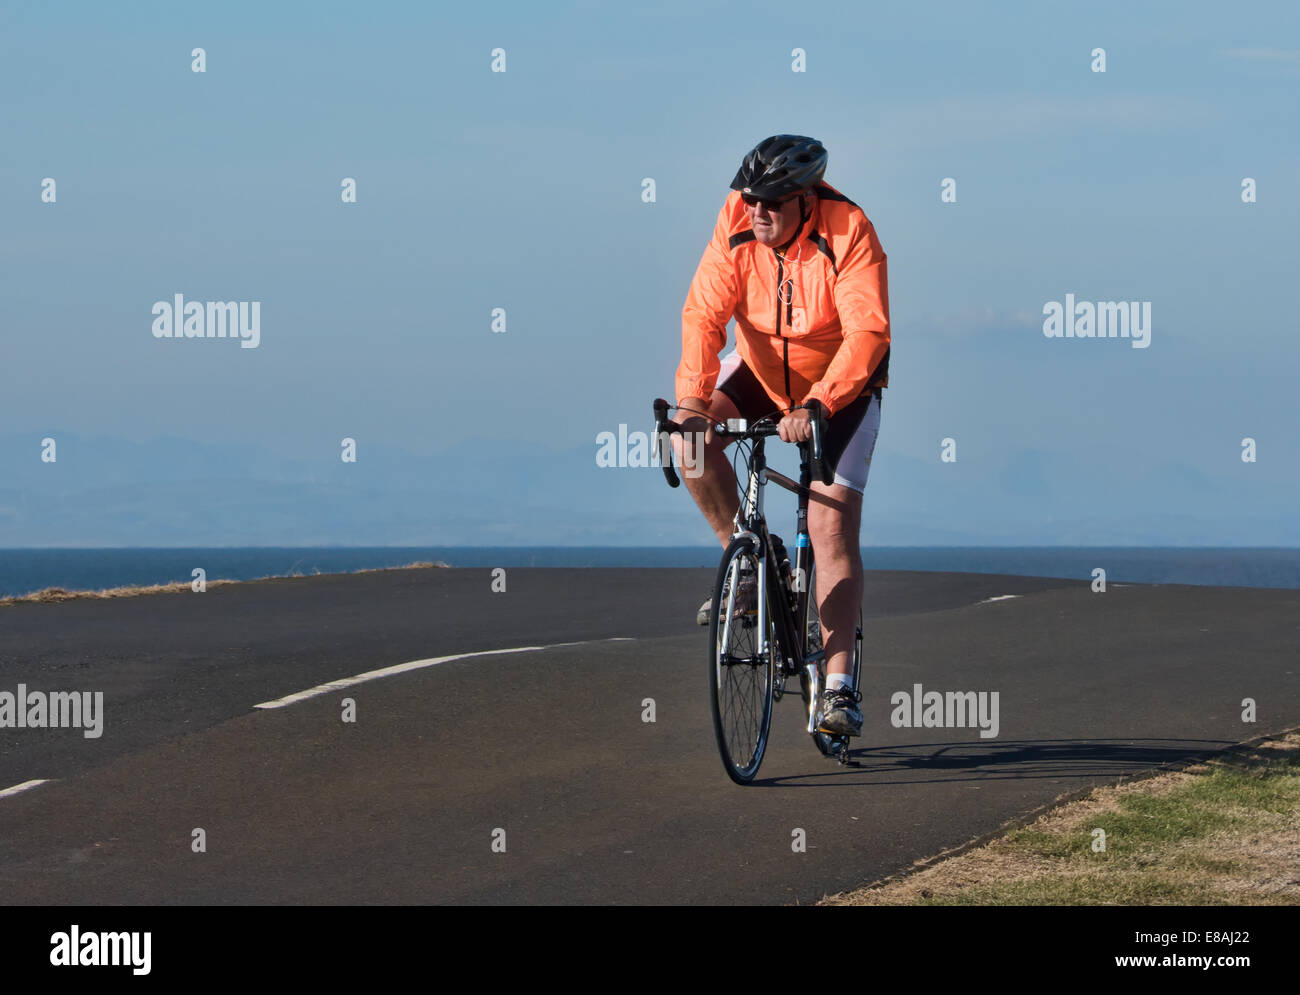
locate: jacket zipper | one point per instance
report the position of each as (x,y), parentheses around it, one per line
(789,314)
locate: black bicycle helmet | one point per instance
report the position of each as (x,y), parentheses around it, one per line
(781,165)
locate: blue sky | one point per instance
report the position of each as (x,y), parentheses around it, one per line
(522,190)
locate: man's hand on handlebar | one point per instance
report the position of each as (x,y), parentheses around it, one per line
(796,426)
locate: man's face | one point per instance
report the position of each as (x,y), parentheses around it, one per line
(775,227)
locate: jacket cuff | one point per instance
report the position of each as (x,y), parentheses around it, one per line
(687,398)
(819,394)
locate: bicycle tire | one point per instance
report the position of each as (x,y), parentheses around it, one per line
(741,673)
(827,743)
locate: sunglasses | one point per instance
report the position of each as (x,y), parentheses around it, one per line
(771,205)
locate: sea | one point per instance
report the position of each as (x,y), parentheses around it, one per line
(25,571)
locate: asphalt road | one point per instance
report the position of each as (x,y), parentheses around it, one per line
(547,752)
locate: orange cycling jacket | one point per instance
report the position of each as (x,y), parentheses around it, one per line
(812,326)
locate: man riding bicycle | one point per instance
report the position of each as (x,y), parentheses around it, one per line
(799,266)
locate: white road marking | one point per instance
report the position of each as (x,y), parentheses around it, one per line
(402,668)
(1000,597)
(23,787)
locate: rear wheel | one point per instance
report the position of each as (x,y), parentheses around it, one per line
(829,744)
(741,674)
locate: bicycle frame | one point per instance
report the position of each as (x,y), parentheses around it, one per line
(790,626)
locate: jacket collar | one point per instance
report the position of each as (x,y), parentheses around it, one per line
(808,226)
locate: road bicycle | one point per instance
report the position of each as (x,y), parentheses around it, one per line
(754,650)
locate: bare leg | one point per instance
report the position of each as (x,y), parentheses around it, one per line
(715,490)
(834,522)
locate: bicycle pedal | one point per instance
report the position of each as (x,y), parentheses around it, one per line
(840,751)
(836,735)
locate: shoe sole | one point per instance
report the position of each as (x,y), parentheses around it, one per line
(839,732)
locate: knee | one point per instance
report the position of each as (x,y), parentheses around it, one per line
(693,455)
(834,519)
(835,547)
(834,537)
(687,449)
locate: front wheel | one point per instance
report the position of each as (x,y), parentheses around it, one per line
(741,674)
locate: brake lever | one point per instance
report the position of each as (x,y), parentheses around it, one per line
(664,426)
(820,469)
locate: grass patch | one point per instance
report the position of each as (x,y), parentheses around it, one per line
(52,595)
(1224,832)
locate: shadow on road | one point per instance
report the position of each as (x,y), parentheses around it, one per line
(1101,759)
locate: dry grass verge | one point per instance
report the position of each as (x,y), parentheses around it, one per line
(1222,832)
